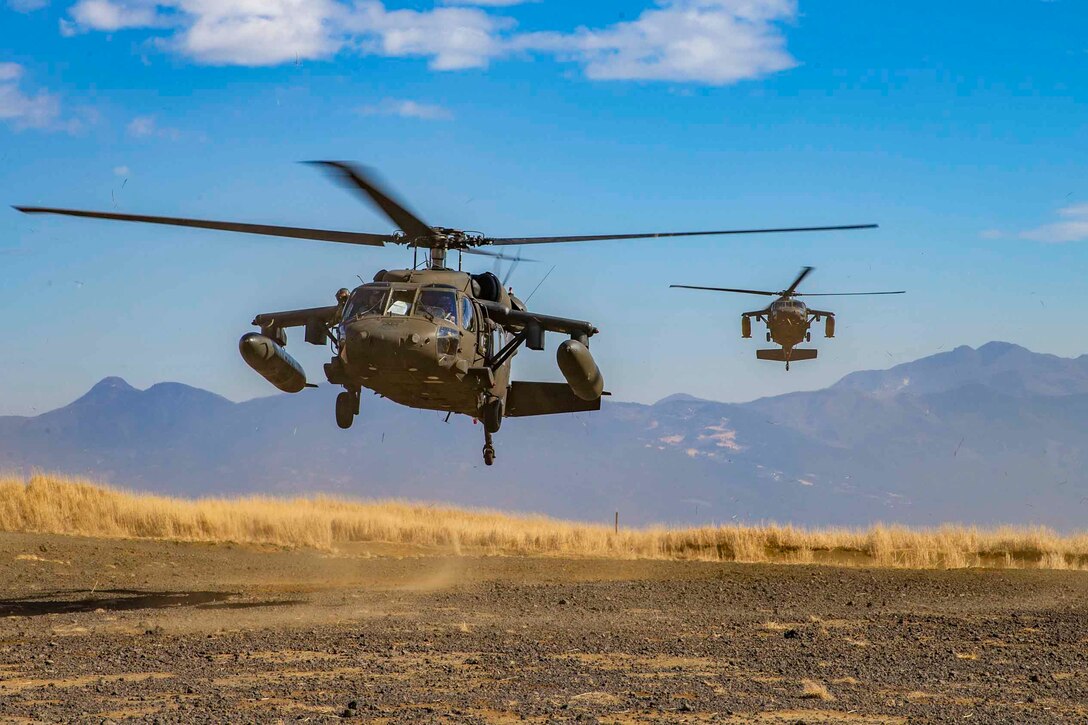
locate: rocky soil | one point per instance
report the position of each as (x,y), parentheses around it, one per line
(95,630)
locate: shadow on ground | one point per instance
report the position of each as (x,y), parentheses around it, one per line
(68,602)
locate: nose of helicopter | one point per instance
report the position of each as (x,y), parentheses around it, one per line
(391,345)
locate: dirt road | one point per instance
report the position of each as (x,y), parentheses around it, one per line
(94,630)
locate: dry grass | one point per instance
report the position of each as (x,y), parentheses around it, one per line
(54,504)
(811,689)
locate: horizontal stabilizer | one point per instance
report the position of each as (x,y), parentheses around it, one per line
(545,399)
(779,355)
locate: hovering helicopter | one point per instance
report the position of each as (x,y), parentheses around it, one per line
(787,318)
(433,338)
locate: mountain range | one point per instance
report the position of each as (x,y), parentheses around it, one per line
(997,434)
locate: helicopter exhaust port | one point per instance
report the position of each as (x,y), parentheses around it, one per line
(272,362)
(582,374)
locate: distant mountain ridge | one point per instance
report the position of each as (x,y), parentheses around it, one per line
(988,435)
(1000,365)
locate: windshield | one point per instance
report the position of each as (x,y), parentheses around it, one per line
(400,302)
(438,305)
(366,301)
(466,314)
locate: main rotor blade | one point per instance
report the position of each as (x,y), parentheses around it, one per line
(496,255)
(847,294)
(408,222)
(805,271)
(728,289)
(603,237)
(324,235)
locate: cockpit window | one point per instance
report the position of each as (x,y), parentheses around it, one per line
(400,302)
(438,305)
(366,301)
(466,314)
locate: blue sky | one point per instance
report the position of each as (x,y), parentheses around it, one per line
(961,128)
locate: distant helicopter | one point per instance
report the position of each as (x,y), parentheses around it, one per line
(434,338)
(787,318)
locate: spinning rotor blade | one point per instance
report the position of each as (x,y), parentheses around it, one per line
(497,255)
(324,235)
(729,289)
(405,220)
(805,271)
(603,237)
(847,294)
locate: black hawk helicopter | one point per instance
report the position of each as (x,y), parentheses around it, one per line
(434,338)
(788,318)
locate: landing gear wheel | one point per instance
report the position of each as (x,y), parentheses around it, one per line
(347,407)
(489,449)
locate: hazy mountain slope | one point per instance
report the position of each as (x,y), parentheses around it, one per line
(988,435)
(999,365)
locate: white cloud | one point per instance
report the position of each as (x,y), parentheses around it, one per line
(452,38)
(991,234)
(122,171)
(223,32)
(260,32)
(23,109)
(716,42)
(700,41)
(111,15)
(270,32)
(1072,228)
(148,127)
(407,109)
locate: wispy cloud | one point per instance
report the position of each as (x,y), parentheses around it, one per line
(488,3)
(122,171)
(407,109)
(148,127)
(27,6)
(712,42)
(1073,227)
(24,109)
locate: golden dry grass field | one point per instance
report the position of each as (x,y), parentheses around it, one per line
(60,505)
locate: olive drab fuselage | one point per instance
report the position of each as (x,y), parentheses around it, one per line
(788,321)
(436,339)
(421,338)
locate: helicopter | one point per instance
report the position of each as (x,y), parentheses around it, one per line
(787,318)
(428,337)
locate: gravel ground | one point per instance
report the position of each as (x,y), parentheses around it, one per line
(94,630)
